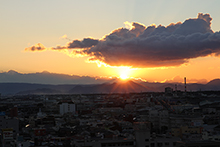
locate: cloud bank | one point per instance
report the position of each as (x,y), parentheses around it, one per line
(149,46)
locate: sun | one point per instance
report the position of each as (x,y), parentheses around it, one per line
(124,76)
(124,72)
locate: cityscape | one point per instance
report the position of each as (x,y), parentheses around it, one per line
(151,119)
(128,73)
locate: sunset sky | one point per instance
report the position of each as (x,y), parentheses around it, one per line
(161,40)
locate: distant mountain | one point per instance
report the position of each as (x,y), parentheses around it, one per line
(213,85)
(111,87)
(13,88)
(40,91)
(214,82)
(27,88)
(12,82)
(48,78)
(120,87)
(181,86)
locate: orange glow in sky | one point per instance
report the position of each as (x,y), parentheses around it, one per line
(24,25)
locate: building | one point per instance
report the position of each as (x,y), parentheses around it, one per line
(198,144)
(142,134)
(9,128)
(106,143)
(185,120)
(7,122)
(159,118)
(14,111)
(143,138)
(67,107)
(168,90)
(187,131)
(163,141)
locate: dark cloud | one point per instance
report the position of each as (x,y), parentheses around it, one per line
(85,43)
(170,45)
(152,46)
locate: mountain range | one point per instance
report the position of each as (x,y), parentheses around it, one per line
(27,88)
(12,82)
(48,78)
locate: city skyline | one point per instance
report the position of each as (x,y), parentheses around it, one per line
(109,39)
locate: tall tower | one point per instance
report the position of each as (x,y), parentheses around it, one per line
(185,83)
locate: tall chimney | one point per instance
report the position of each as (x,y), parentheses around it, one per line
(185,83)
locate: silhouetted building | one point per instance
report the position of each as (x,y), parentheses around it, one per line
(168,90)
(14,111)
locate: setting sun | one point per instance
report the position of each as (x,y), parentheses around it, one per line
(124,72)
(123,76)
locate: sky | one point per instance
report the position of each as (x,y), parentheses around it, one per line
(161,40)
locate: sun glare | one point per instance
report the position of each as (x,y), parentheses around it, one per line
(123,76)
(124,72)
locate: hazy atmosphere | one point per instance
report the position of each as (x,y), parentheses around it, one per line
(110,73)
(161,41)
